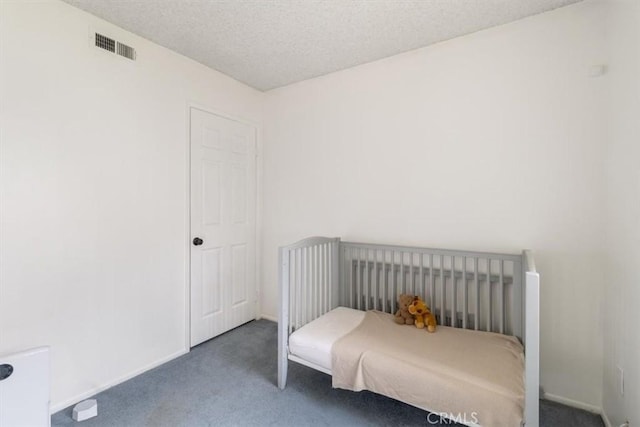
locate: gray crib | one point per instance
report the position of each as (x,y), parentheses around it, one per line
(471,290)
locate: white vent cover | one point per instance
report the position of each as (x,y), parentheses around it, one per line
(126,51)
(105,43)
(109,44)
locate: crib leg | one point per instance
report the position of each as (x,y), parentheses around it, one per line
(283,320)
(283,353)
(282,373)
(283,360)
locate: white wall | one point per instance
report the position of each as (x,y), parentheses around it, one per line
(94,194)
(490,141)
(622,290)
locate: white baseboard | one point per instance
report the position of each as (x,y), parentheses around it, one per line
(573,403)
(84,395)
(267,317)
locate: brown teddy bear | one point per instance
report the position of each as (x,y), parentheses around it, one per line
(422,314)
(403,317)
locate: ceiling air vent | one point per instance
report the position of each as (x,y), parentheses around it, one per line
(113,46)
(105,43)
(126,51)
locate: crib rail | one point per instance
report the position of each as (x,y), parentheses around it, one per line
(310,268)
(309,288)
(471,290)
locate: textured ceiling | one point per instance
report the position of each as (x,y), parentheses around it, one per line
(272,43)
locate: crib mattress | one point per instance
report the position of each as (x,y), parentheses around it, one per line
(313,341)
(477,377)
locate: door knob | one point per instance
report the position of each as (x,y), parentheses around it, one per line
(198,241)
(5,371)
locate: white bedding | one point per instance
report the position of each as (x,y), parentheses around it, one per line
(459,371)
(313,341)
(475,376)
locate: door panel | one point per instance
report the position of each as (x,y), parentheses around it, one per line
(211,282)
(239,280)
(212,193)
(223,204)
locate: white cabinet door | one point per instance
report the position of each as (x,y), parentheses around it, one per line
(223,210)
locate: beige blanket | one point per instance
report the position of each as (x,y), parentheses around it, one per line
(475,377)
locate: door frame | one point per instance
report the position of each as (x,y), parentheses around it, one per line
(187,218)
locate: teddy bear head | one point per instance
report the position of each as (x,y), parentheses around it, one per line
(418,307)
(404,301)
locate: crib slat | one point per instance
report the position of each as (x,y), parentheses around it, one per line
(454,294)
(300,291)
(303,288)
(403,290)
(319,265)
(516,298)
(384,291)
(305,284)
(351,279)
(319,270)
(314,267)
(361,280)
(337,261)
(344,295)
(321,274)
(411,278)
(296,286)
(372,276)
(465,302)
(394,280)
(309,284)
(327,277)
(354,262)
(375,279)
(367,278)
(423,288)
(332,271)
(476,319)
(489,311)
(501,297)
(346,276)
(362,283)
(359,287)
(316,284)
(293,313)
(333,264)
(292,286)
(443,292)
(432,285)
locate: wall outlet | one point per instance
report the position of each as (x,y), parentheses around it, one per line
(621,380)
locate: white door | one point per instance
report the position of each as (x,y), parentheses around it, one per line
(223,218)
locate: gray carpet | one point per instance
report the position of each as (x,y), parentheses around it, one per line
(231,379)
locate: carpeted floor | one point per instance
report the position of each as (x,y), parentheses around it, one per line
(231,379)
